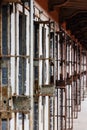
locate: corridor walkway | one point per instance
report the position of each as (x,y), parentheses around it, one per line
(81,122)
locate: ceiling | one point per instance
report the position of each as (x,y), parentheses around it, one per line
(74,13)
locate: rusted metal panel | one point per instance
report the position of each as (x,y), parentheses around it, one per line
(75,76)
(21,103)
(4,104)
(69,81)
(6,115)
(60,83)
(47,89)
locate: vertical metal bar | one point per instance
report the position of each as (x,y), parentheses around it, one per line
(15,120)
(57,76)
(71,121)
(43,99)
(72,78)
(49,114)
(64,79)
(23,121)
(80,75)
(8,122)
(61,109)
(23,48)
(54,76)
(72,107)
(53,113)
(86,72)
(23,42)
(49,122)
(57,109)
(72,82)
(68,87)
(77,78)
(15,48)
(44,68)
(65,107)
(76,85)
(83,77)
(8,44)
(15,114)
(31,65)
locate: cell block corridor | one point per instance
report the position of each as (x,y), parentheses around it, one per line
(43,67)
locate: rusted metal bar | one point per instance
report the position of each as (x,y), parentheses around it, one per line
(52,64)
(77,86)
(42,22)
(43,103)
(83,77)
(57,48)
(41,58)
(15,91)
(13,111)
(36,76)
(15,53)
(36,62)
(51,114)
(51,56)
(57,110)
(31,46)
(23,46)
(79,79)
(44,66)
(14,56)
(15,121)
(9,66)
(23,121)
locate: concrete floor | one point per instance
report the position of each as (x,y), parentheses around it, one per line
(81,122)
